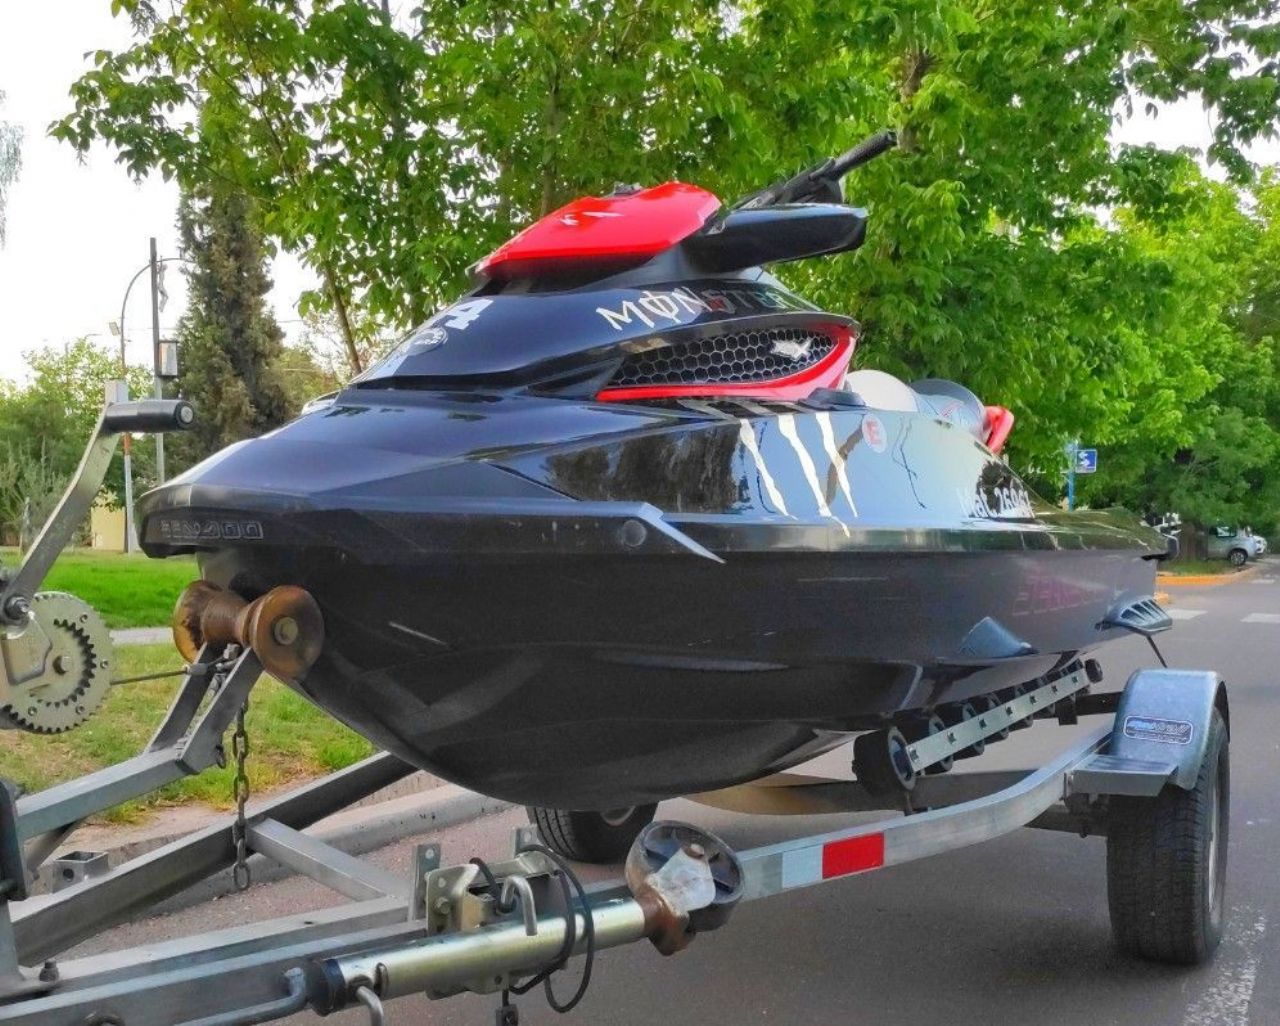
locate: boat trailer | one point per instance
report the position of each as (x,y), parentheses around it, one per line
(444,928)
(1154,780)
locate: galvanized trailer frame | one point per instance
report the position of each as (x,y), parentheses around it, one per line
(433,929)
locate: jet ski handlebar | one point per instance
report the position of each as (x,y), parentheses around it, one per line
(821,183)
(864,152)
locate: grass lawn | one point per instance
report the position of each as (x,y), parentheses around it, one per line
(129,591)
(1197,566)
(289,739)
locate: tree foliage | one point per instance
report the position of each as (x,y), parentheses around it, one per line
(229,343)
(392,153)
(45,426)
(1212,452)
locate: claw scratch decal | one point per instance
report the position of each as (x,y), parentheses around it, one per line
(747,434)
(837,459)
(787,425)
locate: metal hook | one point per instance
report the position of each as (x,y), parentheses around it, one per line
(367,997)
(519,886)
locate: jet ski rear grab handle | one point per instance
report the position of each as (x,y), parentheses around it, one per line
(442,929)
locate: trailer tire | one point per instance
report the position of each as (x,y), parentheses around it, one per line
(591,836)
(1167,862)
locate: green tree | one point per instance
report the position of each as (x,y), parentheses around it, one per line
(1203,438)
(45,425)
(392,154)
(10,162)
(228,341)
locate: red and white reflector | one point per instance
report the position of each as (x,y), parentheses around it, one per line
(805,866)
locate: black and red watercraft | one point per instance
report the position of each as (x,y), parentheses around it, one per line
(618,525)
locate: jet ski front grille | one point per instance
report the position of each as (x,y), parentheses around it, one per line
(743,356)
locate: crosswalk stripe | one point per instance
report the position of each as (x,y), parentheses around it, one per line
(1262,618)
(1178,613)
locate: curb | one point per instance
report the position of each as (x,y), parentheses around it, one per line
(354,831)
(1205,580)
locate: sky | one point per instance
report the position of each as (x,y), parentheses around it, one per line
(78,230)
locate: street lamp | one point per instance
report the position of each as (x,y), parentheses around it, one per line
(159,370)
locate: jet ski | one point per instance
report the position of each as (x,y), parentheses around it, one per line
(620,525)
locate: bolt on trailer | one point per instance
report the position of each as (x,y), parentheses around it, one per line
(1154,779)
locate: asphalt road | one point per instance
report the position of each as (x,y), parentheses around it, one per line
(1011,932)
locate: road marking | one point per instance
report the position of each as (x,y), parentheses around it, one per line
(1178,613)
(1262,618)
(1226,1000)
(1263,580)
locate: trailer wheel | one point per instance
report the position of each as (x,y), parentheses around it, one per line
(591,836)
(1167,862)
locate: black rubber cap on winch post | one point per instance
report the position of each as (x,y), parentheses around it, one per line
(882,763)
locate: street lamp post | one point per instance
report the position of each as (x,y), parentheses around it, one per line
(157,383)
(1073,448)
(153,265)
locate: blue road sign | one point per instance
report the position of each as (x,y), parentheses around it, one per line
(1086,461)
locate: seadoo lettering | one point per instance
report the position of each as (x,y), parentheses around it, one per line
(676,306)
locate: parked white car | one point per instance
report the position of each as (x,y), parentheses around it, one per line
(1237,545)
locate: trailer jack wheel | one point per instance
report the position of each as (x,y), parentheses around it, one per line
(600,837)
(1167,862)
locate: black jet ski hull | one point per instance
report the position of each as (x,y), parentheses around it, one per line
(623,603)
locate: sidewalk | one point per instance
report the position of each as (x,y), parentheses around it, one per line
(142,635)
(418,804)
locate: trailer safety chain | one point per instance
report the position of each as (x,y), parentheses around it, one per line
(505,902)
(241,874)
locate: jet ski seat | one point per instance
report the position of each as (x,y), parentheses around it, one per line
(946,400)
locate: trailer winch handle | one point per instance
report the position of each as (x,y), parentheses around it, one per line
(149,415)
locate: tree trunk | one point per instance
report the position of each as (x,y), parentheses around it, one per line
(915,66)
(340,306)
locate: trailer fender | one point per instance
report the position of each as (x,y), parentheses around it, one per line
(1164,716)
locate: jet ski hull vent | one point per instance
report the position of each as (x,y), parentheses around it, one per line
(738,358)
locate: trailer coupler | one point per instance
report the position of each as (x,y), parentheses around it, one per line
(504,927)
